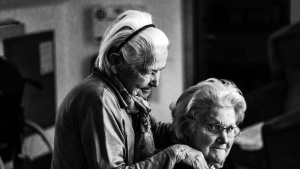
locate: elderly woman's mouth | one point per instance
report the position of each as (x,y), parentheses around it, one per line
(219,148)
(146,90)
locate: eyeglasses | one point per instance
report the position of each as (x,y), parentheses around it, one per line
(217,129)
(153,74)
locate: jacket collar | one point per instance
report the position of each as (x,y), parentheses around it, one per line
(103,76)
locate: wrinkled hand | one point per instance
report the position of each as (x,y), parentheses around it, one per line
(189,156)
(250,138)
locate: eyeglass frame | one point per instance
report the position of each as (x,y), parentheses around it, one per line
(221,129)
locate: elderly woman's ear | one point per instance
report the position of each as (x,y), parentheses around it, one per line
(115,60)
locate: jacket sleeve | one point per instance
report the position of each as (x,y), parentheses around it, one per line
(103,139)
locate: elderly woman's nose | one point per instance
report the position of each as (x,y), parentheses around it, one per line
(223,137)
(155,80)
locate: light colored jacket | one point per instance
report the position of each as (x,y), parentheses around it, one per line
(94,131)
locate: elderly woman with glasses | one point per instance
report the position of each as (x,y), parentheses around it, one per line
(206,117)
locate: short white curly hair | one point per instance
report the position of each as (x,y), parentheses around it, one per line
(195,103)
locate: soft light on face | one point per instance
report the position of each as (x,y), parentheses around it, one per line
(215,148)
(141,85)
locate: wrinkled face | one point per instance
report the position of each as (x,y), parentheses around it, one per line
(215,148)
(141,84)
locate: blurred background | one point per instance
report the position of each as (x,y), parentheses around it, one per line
(53,44)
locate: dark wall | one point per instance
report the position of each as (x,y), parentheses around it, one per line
(233,39)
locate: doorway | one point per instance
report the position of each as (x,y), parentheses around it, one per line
(229,39)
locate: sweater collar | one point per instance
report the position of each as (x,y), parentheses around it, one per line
(103,76)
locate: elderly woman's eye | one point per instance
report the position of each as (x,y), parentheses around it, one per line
(230,128)
(214,127)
